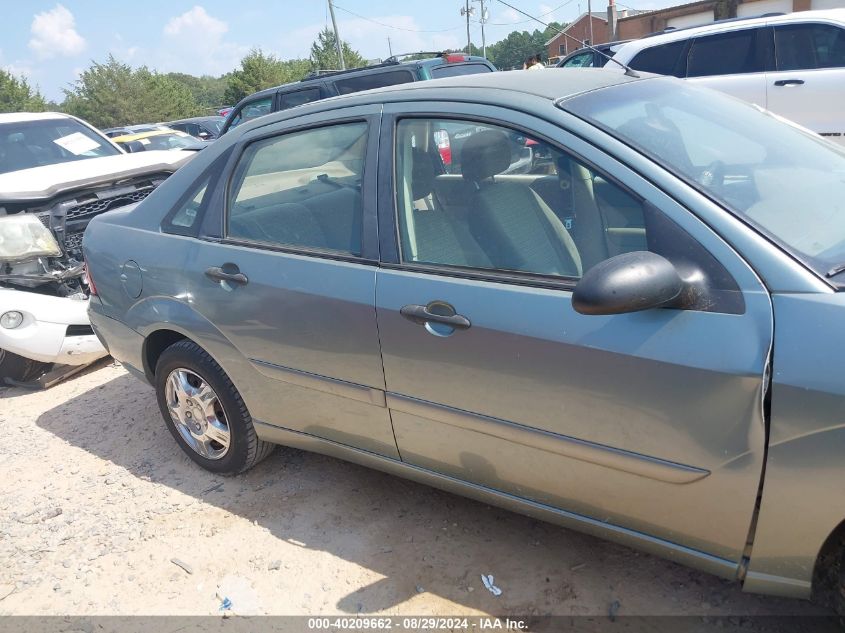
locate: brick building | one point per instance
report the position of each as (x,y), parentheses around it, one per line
(634,24)
(697,13)
(577,33)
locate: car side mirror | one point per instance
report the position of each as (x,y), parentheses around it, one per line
(133,146)
(629,283)
(204,135)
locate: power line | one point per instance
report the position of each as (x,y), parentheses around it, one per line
(532,19)
(390,26)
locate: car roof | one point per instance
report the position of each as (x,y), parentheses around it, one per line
(385,66)
(732,24)
(499,87)
(17,117)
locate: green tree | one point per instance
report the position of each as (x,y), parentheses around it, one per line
(512,51)
(260,70)
(16,95)
(112,93)
(209,92)
(324,53)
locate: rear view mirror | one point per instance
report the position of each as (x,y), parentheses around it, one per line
(629,283)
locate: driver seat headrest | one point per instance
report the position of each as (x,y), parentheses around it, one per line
(484,155)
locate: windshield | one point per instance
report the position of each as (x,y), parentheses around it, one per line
(168,141)
(783,179)
(29,144)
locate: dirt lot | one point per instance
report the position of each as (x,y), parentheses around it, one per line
(96,499)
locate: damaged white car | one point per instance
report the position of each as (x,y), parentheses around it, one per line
(56,173)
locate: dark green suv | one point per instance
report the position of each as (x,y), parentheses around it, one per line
(332,83)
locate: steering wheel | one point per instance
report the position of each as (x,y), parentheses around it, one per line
(713,176)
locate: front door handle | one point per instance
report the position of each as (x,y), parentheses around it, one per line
(789,82)
(435,312)
(227,272)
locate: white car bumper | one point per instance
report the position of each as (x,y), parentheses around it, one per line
(53,330)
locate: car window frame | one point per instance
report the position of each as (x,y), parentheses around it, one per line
(775,26)
(216,228)
(486,67)
(565,139)
(761,37)
(591,54)
(281,94)
(391,249)
(680,67)
(212,173)
(339,79)
(238,109)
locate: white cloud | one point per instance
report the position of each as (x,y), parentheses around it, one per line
(54,33)
(196,23)
(508,16)
(194,42)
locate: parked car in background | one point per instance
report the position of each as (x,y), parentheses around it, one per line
(159,140)
(56,174)
(331,83)
(224,111)
(793,65)
(205,128)
(640,338)
(595,57)
(134,129)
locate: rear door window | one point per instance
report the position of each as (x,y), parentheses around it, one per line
(373,80)
(298,97)
(662,60)
(809,46)
(301,190)
(725,54)
(457,70)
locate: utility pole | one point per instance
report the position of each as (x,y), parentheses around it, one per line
(589,17)
(389,46)
(483,20)
(337,37)
(469,41)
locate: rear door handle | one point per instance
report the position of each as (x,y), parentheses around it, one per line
(435,312)
(227,272)
(789,82)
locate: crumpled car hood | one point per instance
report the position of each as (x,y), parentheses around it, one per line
(43,183)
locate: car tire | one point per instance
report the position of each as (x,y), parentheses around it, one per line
(829,577)
(19,368)
(185,364)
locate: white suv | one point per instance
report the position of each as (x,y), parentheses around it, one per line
(792,65)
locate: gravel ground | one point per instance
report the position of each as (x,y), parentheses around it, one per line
(101,513)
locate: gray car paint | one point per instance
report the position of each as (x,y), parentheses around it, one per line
(712,363)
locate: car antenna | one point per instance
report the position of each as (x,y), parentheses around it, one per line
(628,70)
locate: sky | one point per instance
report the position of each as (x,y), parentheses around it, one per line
(51,42)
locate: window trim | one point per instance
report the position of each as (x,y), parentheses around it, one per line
(431,70)
(776,60)
(680,67)
(512,277)
(341,79)
(238,110)
(293,249)
(212,173)
(277,107)
(757,35)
